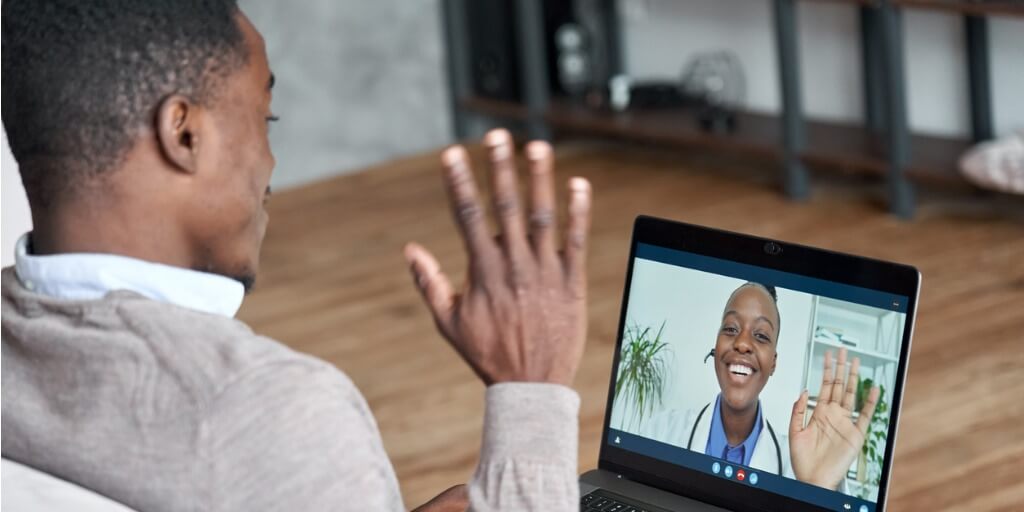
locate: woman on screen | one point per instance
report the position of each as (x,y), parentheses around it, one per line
(732,427)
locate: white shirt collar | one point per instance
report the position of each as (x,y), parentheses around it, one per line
(88,276)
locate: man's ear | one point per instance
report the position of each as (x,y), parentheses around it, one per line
(177,129)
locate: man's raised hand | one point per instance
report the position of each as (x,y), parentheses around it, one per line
(521,315)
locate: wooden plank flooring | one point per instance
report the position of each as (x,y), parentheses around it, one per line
(333,283)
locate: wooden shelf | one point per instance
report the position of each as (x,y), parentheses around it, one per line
(1007,7)
(756,134)
(868,3)
(975,8)
(829,144)
(933,160)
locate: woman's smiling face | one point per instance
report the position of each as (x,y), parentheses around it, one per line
(745,353)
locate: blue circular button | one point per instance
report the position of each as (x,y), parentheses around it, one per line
(752,479)
(716,467)
(728,471)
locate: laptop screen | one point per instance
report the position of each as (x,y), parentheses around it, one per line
(715,360)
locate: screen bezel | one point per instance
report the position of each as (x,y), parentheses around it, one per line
(895,278)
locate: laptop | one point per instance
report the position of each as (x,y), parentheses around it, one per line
(752,374)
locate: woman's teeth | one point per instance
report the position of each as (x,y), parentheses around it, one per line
(740,369)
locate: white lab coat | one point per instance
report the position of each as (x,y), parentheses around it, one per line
(676,427)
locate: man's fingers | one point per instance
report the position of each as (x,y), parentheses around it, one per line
(837,384)
(827,376)
(852,383)
(868,411)
(465,205)
(542,199)
(796,422)
(577,232)
(505,185)
(434,286)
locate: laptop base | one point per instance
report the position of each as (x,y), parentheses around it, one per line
(611,482)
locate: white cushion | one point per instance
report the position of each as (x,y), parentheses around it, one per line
(25,488)
(997,164)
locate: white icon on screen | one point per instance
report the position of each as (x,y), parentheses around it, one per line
(617,440)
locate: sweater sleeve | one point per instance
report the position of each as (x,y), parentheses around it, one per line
(528,458)
(295,436)
(300,436)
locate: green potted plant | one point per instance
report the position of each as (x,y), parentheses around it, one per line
(870,461)
(643,370)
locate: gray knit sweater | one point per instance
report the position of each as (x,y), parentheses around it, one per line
(161,407)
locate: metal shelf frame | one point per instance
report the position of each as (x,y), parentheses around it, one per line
(884,86)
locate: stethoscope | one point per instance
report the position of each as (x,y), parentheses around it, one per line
(771,431)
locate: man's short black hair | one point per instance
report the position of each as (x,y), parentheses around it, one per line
(80,77)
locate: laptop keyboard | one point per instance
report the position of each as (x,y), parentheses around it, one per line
(605,501)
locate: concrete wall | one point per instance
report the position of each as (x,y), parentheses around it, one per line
(661,35)
(358,82)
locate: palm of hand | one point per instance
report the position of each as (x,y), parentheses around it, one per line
(826,447)
(822,451)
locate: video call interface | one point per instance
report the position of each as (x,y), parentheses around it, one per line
(718,358)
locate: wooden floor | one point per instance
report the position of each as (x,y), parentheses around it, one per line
(333,283)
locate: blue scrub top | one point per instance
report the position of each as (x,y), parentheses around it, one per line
(718,445)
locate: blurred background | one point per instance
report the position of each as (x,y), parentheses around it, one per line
(362,82)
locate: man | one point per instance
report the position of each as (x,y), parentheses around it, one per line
(140,129)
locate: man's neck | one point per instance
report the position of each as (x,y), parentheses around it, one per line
(112,230)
